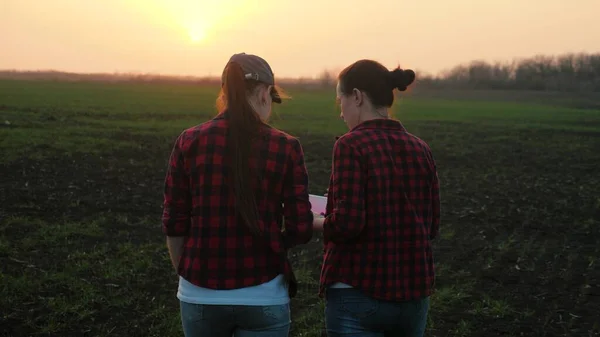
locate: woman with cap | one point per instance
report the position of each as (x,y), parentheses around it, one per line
(231,183)
(383,211)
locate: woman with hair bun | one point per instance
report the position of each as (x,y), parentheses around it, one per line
(383,211)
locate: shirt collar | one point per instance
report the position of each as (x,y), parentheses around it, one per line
(221,115)
(380,123)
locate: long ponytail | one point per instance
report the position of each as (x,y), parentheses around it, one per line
(244,125)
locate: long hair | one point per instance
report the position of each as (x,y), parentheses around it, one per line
(244,128)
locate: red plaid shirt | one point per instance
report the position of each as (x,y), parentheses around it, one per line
(383,210)
(220,252)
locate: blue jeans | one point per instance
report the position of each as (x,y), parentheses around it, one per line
(349,312)
(201,320)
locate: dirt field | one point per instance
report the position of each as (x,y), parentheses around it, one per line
(82,254)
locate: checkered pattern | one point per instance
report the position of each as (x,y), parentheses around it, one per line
(383,210)
(220,252)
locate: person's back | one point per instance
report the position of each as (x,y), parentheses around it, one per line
(382,212)
(398,177)
(230,184)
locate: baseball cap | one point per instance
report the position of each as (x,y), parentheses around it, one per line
(255,68)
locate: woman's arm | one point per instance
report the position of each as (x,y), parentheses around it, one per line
(175,247)
(347,218)
(297,213)
(177,203)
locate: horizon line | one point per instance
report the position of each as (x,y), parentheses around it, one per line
(325,73)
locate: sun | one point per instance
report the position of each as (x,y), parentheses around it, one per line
(197,34)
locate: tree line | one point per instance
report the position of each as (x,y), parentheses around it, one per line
(567,72)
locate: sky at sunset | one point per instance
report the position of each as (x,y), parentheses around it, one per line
(298,38)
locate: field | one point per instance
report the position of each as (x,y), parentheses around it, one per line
(81,176)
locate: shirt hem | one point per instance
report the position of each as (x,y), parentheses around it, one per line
(228,301)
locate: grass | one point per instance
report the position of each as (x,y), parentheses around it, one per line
(81,252)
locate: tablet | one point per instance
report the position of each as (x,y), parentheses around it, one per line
(318,203)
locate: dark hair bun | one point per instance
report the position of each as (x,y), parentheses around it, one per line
(401,79)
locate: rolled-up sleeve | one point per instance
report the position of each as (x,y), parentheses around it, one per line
(177,200)
(347,218)
(296,205)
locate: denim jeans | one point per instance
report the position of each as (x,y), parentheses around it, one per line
(349,312)
(201,320)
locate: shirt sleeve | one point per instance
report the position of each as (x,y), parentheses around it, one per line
(298,223)
(347,218)
(176,217)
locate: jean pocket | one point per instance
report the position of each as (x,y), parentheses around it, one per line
(276,313)
(263,317)
(192,312)
(359,307)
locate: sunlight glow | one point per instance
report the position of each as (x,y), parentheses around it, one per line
(198,17)
(202,17)
(197,33)
(196,20)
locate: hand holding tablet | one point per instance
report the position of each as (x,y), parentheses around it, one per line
(318,204)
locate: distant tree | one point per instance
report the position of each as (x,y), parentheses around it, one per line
(326,78)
